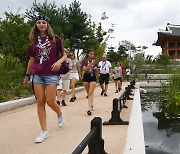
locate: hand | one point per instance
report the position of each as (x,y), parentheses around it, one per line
(56,66)
(93,62)
(26,82)
(80,77)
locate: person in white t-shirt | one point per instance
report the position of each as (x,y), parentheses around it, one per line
(117,77)
(75,74)
(128,73)
(105,71)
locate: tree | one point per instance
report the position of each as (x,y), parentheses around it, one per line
(50,10)
(122,52)
(100,51)
(14,37)
(79,29)
(101,34)
(149,59)
(113,56)
(163,59)
(138,61)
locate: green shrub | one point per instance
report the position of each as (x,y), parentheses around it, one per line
(173,89)
(11,82)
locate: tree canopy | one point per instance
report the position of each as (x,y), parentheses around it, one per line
(14,37)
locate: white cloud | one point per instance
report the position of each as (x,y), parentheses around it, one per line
(137,21)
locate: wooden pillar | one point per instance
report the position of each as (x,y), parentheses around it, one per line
(176,53)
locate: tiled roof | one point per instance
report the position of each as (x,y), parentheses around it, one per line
(171,29)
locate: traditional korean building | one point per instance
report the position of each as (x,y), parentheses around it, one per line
(169,40)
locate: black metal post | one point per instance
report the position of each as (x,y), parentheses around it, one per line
(128,93)
(115,115)
(124,101)
(132,84)
(96,145)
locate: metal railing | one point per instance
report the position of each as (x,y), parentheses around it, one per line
(93,139)
(115,114)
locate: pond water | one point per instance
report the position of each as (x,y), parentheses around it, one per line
(161,123)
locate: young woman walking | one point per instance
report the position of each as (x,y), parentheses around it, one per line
(42,69)
(117,77)
(75,74)
(64,83)
(89,65)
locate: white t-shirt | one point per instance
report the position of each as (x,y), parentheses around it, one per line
(75,64)
(128,71)
(117,72)
(104,67)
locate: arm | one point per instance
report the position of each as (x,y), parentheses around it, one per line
(70,64)
(111,72)
(79,69)
(56,66)
(28,71)
(86,68)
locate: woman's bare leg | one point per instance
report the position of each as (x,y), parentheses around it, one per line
(41,102)
(50,98)
(90,93)
(73,84)
(86,86)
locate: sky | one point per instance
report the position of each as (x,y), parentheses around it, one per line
(137,21)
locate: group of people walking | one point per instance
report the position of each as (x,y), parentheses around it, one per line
(42,72)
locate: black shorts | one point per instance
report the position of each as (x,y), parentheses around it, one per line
(104,78)
(118,79)
(88,77)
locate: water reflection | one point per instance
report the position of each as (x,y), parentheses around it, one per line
(161,122)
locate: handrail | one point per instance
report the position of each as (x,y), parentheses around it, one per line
(93,139)
(85,141)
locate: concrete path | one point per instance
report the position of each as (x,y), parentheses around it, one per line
(20,127)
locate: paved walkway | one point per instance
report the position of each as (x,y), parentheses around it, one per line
(20,127)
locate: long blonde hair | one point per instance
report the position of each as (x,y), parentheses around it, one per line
(33,36)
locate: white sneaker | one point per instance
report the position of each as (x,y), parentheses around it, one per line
(42,136)
(61,120)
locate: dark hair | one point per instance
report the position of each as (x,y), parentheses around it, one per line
(42,17)
(87,52)
(72,52)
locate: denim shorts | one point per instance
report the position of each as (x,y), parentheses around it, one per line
(45,79)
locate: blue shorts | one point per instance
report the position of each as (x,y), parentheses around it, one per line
(45,79)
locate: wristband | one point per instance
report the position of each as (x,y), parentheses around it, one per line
(28,75)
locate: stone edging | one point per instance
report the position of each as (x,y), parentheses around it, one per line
(135,136)
(6,106)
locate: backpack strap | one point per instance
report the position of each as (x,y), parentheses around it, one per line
(58,49)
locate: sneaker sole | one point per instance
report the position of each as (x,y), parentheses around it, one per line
(42,140)
(89,112)
(60,125)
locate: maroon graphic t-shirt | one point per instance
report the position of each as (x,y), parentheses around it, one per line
(45,55)
(86,62)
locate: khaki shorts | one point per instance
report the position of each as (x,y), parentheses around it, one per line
(63,84)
